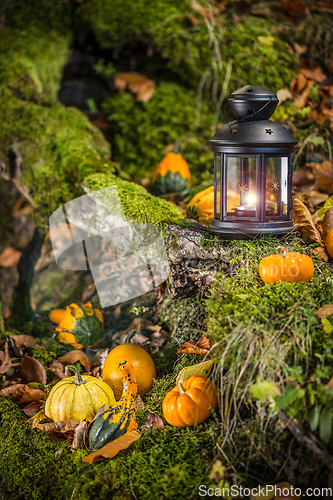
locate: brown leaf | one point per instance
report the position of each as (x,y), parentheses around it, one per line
(325,311)
(10,257)
(88,292)
(193,19)
(313,198)
(283,95)
(203,11)
(152,421)
(295,8)
(23,341)
(57,369)
(112,449)
(13,392)
(33,370)
(303,176)
(200,347)
(323,174)
(298,83)
(72,357)
(303,219)
(21,207)
(330,383)
(302,100)
(62,427)
(36,419)
(320,252)
(328,222)
(287,492)
(312,71)
(32,409)
(79,435)
(5,362)
(139,84)
(31,395)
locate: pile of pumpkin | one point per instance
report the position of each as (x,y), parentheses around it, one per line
(111,404)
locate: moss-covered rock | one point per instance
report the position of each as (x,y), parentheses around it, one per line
(137,203)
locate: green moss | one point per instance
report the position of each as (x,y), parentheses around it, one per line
(137,203)
(32,62)
(140,132)
(184,318)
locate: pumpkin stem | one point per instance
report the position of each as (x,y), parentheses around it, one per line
(182,388)
(78,379)
(285,251)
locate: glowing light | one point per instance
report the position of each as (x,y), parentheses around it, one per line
(251,199)
(272,197)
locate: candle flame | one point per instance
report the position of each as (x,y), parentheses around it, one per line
(251,199)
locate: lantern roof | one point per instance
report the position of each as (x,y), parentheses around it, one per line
(252,106)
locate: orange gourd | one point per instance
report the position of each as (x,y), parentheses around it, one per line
(172,177)
(190,402)
(201,207)
(293,267)
(329,243)
(143,366)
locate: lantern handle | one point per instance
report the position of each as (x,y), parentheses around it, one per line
(245,117)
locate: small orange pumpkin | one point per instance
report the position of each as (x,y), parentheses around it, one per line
(329,243)
(172,177)
(190,402)
(201,207)
(290,268)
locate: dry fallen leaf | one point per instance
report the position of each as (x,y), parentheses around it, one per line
(13,392)
(112,449)
(200,347)
(303,219)
(283,95)
(31,395)
(139,84)
(88,292)
(33,370)
(298,83)
(57,369)
(72,357)
(321,252)
(286,491)
(23,393)
(152,421)
(312,71)
(32,409)
(325,311)
(21,207)
(295,9)
(200,370)
(23,342)
(36,419)
(203,11)
(80,435)
(323,174)
(5,362)
(10,257)
(303,177)
(63,426)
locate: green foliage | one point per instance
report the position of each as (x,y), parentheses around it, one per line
(140,132)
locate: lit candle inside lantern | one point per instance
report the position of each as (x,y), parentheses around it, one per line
(249,209)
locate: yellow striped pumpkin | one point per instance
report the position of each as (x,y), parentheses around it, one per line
(78,397)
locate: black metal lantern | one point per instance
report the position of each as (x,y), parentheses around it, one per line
(252,169)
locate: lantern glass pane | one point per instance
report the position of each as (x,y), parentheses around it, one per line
(276,186)
(217,186)
(241,187)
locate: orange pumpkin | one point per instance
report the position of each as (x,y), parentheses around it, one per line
(329,243)
(286,267)
(191,402)
(201,207)
(172,177)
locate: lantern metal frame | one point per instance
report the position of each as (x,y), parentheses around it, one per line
(252,135)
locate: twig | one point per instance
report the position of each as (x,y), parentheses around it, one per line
(315,446)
